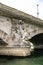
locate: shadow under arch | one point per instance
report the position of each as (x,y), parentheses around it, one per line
(37,39)
(2,42)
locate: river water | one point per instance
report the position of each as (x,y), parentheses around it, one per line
(35,59)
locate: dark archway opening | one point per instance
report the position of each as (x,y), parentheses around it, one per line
(37,39)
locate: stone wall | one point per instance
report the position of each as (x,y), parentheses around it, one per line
(17,31)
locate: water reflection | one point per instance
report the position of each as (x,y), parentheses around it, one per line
(35,59)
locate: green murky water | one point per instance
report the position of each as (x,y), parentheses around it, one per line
(35,59)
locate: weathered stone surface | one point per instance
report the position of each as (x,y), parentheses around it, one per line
(11,12)
(16,28)
(15,51)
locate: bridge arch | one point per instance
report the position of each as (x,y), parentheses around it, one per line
(35,32)
(37,39)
